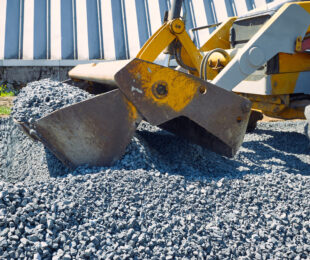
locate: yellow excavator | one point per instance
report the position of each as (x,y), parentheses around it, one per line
(251,65)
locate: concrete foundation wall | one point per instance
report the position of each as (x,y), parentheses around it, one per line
(20,76)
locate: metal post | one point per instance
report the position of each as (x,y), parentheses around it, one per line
(175,11)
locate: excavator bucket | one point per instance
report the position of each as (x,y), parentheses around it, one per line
(186,105)
(93,132)
(98,130)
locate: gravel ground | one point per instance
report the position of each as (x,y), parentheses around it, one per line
(165,199)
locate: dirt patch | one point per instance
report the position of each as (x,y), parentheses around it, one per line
(3,116)
(6,101)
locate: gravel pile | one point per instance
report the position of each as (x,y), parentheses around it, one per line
(42,97)
(165,199)
(21,159)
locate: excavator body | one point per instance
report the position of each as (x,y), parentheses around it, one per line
(252,65)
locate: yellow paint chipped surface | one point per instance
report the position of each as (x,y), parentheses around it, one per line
(181,89)
(132,111)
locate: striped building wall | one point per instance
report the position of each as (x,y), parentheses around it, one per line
(34,30)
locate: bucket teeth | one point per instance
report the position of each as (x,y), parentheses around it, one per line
(95,132)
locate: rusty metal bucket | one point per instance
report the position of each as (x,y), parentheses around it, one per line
(95,132)
(186,105)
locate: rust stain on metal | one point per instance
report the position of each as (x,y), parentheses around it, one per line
(94,132)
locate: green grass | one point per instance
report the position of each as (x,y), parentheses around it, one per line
(5,110)
(5,92)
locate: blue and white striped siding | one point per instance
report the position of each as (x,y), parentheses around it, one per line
(99,29)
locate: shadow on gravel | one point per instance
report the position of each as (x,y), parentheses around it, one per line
(282,149)
(167,153)
(175,155)
(289,142)
(55,167)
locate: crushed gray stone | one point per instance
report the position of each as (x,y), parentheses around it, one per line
(42,97)
(165,199)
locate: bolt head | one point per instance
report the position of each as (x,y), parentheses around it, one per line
(160,89)
(246,106)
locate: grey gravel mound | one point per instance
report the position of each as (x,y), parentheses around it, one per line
(42,97)
(168,199)
(148,214)
(21,159)
(165,199)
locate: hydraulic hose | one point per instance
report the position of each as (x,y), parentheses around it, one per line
(204,62)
